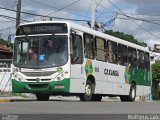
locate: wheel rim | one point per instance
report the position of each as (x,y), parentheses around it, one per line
(88,90)
(133,93)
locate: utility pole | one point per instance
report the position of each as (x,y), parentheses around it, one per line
(93,17)
(18,14)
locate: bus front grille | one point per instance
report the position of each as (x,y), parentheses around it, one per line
(35,80)
(37,74)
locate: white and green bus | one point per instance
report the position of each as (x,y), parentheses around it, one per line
(73,60)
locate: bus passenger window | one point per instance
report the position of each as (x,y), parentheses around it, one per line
(141,59)
(100,49)
(147,61)
(89,46)
(132,57)
(76,49)
(112,52)
(122,54)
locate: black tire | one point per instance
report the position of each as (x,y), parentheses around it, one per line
(42,97)
(89,90)
(96,97)
(132,94)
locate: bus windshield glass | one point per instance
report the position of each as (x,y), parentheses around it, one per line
(40,51)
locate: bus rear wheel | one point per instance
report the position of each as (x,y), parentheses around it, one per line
(89,90)
(42,97)
(132,94)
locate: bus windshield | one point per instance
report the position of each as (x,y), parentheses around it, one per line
(40,51)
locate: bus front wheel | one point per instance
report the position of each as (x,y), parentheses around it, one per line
(42,97)
(89,90)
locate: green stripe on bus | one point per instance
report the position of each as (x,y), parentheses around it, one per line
(140,76)
(41,87)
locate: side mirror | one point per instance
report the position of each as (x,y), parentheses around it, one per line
(76,59)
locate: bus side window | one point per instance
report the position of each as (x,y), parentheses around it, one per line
(76,49)
(100,49)
(140,59)
(122,54)
(132,57)
(89,46)
(147,61)
(112,52)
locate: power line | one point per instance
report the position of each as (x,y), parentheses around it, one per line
(106,8)
(61,9)
(64,7)
(144,20)
(41,15)
(148,15)
(7,21)
(7,28)
(9,17)
(134,21)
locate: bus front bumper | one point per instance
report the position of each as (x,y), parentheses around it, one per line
(41,87)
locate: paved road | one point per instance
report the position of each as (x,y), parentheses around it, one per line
(74,106)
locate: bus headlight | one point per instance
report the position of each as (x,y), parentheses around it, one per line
(17,77)
(60,77)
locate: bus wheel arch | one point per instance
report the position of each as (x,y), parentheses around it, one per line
(89,89)
(132,93)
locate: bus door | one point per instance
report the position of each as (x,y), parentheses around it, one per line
(77,72)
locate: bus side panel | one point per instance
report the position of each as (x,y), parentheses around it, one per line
(139,90)
(102,87)
(77,85)
(147,92)
(127,89)
(101,78)
(116,75)
(77,82)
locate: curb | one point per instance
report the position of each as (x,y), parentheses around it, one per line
(6,100)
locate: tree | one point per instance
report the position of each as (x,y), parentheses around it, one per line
(129,38)
(4,42)
(155,80)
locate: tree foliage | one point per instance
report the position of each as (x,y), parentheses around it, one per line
(4,42)
(156,72)
(129,38)
(155,81)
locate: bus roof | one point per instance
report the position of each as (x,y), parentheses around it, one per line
(94,32)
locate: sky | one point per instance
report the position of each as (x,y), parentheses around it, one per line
(143,21)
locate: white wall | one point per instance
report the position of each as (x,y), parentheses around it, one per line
(5,82)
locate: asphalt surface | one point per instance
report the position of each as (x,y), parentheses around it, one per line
(73,108)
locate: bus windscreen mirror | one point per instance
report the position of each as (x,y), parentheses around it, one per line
(76,59)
